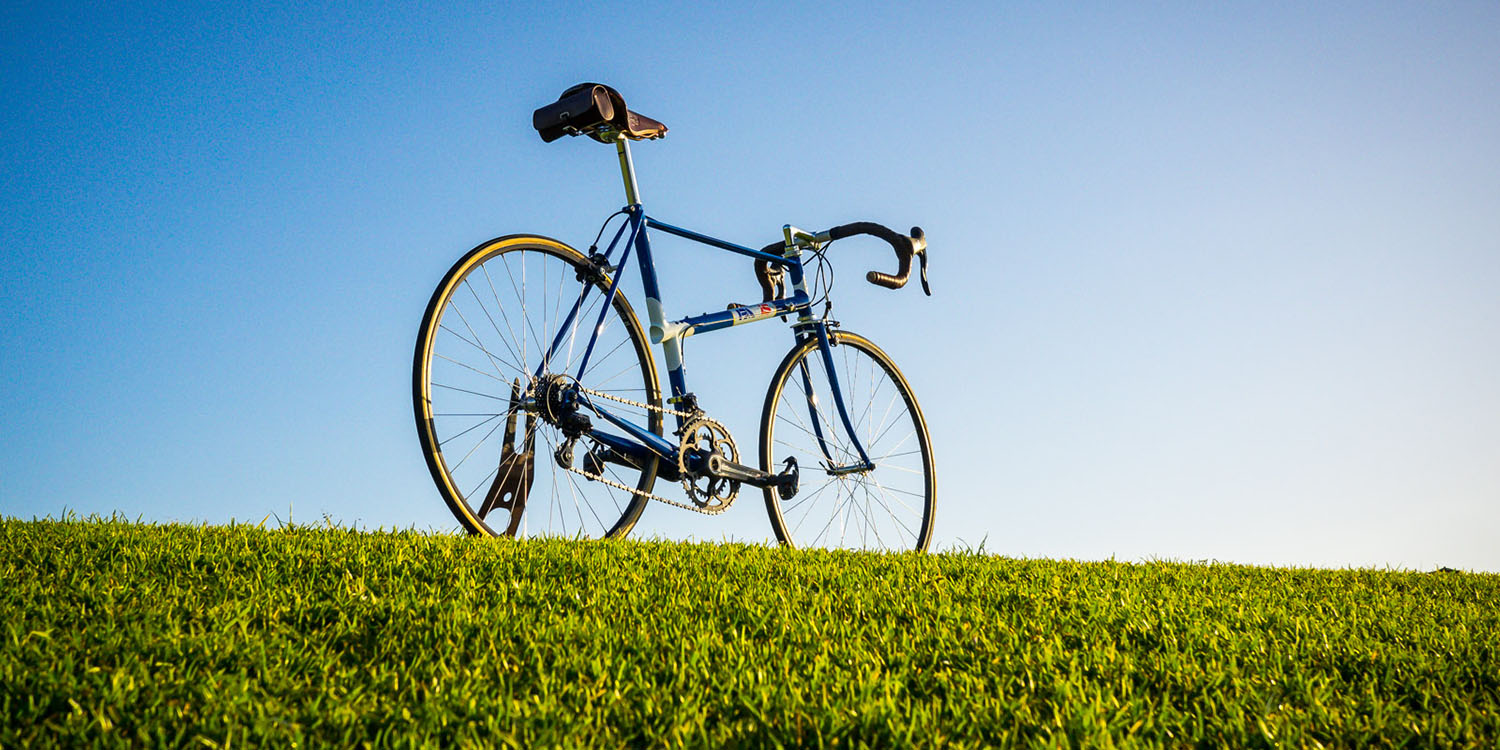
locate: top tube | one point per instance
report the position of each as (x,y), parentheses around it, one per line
(715,242)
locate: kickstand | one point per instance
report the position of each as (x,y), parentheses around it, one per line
(514,477)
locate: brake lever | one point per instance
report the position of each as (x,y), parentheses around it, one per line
(771,280)
(919,249)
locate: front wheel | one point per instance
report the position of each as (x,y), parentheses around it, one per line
(842,503)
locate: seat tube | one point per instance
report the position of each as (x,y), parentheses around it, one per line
(662,332)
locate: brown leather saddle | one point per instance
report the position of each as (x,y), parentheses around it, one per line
(594,110)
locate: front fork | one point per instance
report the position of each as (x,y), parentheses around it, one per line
(825,349)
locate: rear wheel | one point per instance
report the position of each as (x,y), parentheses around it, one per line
(839,504)
(491,444)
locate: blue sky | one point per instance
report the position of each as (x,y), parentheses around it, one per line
(1211,281)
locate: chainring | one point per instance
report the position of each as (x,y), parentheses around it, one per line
(708,437)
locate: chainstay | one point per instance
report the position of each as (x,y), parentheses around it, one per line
(705,510)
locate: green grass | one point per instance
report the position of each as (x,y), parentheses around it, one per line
(118,633)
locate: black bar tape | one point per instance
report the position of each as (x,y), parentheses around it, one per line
(866,227)
(898,242)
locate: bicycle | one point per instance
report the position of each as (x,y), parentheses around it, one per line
(526,329)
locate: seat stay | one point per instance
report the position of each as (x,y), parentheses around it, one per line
(567,323)
(614,288)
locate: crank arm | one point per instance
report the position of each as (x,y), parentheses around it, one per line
(723,468)
(785,482)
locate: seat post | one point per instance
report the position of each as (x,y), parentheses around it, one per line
(627,171)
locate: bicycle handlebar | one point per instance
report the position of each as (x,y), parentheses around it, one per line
(905,247)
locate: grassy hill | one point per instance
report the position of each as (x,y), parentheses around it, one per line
(118,633)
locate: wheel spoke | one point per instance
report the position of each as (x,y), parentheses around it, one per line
(465,390)
(490,318)
(482,481)
(481,348)
(475,369)
(808,496)
(521,357)
(521,295)
(487,435)
(476,338)
(880,497)
(465,432)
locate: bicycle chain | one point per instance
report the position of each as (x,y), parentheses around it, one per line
(636,404)
(705,510)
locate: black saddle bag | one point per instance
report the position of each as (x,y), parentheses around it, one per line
(578,109)
(584,110)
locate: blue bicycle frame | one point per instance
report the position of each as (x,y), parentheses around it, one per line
(642,442)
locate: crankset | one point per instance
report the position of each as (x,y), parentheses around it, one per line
(705,443)
(711,473)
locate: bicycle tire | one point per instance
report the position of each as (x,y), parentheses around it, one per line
(466,410)
(903,482)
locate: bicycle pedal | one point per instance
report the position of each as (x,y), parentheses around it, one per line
(787,481)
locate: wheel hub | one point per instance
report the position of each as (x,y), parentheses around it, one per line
(558,398)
